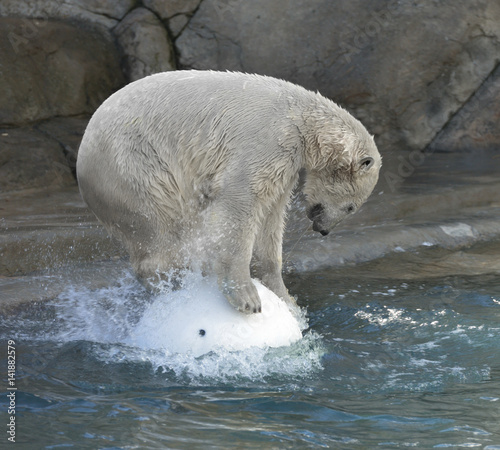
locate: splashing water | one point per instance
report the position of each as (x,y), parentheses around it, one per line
(388,364)
(192,332)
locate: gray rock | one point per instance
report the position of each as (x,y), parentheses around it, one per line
(177,23)
(51,68)
(30,159)
(41,155)
(68,133)
(475,126)
(145,44)
(402,68)
(170,8)
(176,13)
(106,13)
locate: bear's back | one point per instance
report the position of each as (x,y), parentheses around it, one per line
(172,98)
(198,114)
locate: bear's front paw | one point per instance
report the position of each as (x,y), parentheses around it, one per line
(243,297)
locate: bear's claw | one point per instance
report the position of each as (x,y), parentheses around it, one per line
(243,297)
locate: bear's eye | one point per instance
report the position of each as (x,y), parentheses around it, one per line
(350,208)
(366,163)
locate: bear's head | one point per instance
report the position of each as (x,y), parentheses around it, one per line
(342,169)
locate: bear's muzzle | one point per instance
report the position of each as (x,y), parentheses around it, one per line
(315,213)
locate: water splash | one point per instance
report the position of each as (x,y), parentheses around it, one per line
(128,324)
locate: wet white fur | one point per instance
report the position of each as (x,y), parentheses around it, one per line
(193,167)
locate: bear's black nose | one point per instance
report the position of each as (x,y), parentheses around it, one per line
(317,227)
(315,212)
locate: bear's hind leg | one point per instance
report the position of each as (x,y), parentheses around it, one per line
(155,278)
(158,264)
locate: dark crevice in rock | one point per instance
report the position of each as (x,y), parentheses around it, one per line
(173,51)
(174,60)
(73,133)
(464,105)
(69,153)
(176,53)
(192,15)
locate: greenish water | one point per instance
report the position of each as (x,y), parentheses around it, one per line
(385,363)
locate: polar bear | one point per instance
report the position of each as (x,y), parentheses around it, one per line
(191,167)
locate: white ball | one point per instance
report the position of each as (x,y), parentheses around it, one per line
(199,319)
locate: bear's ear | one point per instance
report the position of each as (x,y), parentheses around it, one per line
(329,150)
(365,164)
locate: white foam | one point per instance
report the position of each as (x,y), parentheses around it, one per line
(126,323)
(198,319)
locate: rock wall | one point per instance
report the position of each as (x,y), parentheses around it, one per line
(402,67)
(54,68)
(422,76)
(475,126)
(144,44)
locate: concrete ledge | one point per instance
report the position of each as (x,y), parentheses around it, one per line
(372,242)
(54,229)
(50,229)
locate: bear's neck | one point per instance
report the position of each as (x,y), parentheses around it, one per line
(322,122)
